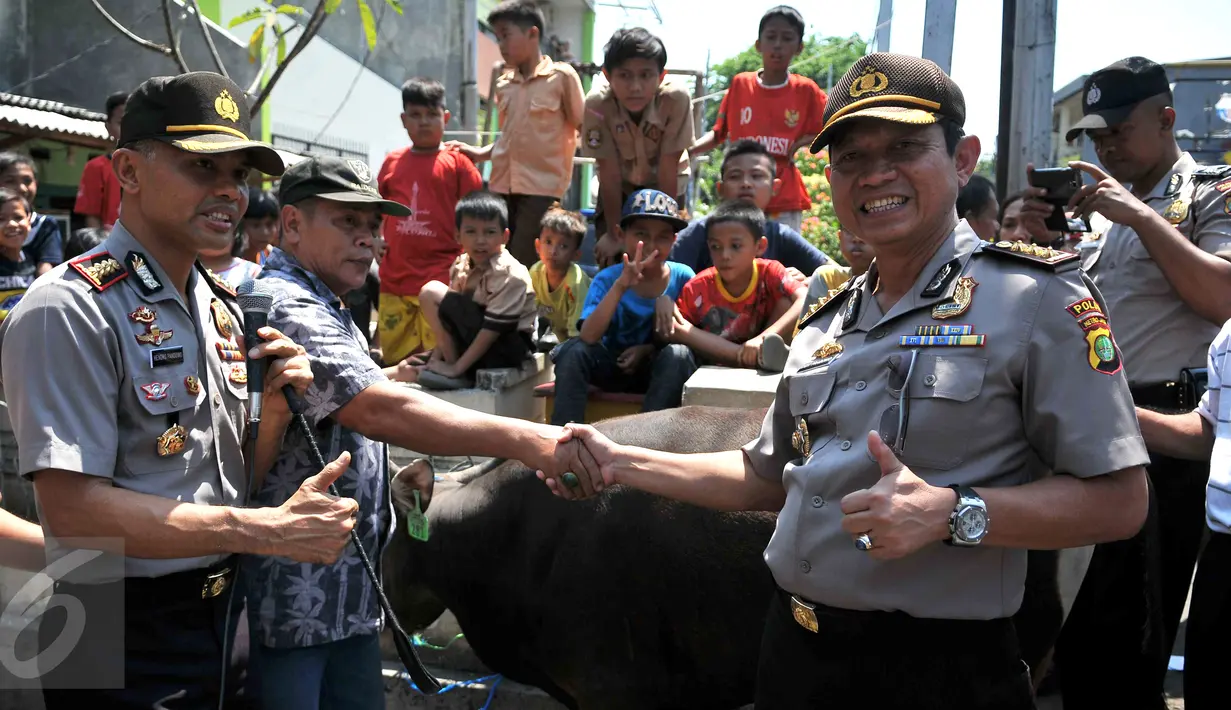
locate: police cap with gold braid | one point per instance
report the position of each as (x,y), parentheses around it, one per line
(199,112)
(892,87)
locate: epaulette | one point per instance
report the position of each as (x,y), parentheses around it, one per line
(1053,259)
(102,270)
(834,298)
(1207,173)
(217,283)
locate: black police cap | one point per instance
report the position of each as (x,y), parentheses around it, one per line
(1111,93)
(892,87)
(337,179)
(199,112)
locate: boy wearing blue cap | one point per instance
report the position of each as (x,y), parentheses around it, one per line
(616,351)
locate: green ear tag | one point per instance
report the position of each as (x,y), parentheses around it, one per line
(416,521)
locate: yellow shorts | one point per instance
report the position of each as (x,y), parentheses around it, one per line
(402,328)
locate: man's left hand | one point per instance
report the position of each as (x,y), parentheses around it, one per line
(290,365)
(1107,197)
(901,513)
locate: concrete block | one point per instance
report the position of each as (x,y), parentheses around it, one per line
(731,387)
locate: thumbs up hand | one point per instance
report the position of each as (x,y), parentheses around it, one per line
(313,525)
(901,513)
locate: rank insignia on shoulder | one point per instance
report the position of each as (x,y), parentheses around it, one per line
(102,270)
(1031,252)
(1206,173)
(820,305)
(217,283)
(146,278)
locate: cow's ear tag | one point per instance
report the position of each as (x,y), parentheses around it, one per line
(416,521)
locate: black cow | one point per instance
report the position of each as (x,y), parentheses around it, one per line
(624,601)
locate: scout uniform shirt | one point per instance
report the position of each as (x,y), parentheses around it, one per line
(609,133)
(1160,334)
(539,117)
(502,287)
(993,370)
(110,373)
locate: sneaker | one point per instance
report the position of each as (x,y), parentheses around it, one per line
(774,352)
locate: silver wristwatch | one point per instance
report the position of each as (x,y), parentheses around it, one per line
(968,522)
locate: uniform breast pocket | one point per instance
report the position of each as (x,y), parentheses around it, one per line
(544,110)
(1144,273)
(161,432)
(941,414)
(811,427)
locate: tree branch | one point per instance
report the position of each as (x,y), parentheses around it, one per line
(176,54)
(209,41)
(161,49)
(309,31)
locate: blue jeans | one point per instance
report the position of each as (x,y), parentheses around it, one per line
(579,365)
(342,675)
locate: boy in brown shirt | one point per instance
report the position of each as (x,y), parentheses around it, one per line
(540,104)
(484,318)
(637,128)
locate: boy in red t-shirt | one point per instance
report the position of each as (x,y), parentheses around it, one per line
(741,311)
(781,110)
(98,195)
(421,247)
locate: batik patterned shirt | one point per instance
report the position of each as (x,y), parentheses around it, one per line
(294,604)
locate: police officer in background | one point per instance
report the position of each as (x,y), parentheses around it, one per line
(1164,273)
(911,447)
(126,382)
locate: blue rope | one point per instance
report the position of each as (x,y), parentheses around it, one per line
(491,694)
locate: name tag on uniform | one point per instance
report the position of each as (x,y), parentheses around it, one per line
(162,357)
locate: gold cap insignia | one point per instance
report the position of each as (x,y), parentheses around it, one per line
(226,106)
(871,82)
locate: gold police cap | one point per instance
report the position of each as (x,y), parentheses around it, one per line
(198,112)
(892,87)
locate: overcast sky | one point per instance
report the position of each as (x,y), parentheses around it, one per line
(1090,35)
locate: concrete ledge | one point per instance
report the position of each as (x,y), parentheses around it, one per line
(731,387)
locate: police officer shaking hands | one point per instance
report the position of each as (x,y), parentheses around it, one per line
(126,382)
(1164,272)
(958,404)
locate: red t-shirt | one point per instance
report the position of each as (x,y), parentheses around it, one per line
(776,118)
(422,247)
(98,195)
(705,303)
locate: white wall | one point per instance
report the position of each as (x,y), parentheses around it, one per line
(315,86)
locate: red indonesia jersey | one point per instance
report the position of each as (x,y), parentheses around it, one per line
(777,118)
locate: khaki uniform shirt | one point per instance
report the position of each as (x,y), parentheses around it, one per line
(502,287)
(1039,391)
(609,133)
(1160,334)
(99,365)
(539,118)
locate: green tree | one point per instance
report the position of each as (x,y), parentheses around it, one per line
(818,56)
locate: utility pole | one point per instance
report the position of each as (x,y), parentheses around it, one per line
(1008,40)
(938,20)
(883,23)
(470,70)
(1034,59)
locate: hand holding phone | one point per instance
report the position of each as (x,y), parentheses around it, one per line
(1061,185)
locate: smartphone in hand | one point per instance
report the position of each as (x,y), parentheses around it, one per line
(1061,184)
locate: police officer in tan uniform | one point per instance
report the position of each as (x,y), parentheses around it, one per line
(126,382)
(1164,274)
(956,405)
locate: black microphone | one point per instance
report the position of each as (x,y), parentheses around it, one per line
(255,300)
